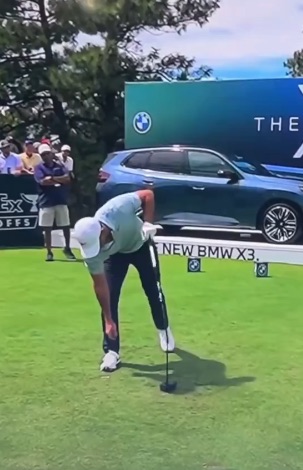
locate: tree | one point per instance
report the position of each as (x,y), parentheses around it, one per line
(295,64)
(122,20)
(51,84)
(194,74)
(31,35)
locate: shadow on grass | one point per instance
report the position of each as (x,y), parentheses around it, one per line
(58,260)
(190,371)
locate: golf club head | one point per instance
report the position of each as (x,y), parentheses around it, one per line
(168,387)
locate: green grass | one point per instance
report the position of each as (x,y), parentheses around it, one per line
(239,369)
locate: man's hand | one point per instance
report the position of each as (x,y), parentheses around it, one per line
(148,231)
(47,181)
(111,329)
(28,171)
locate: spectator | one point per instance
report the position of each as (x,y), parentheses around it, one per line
(52,179)
(2,163)
(11,163)
(55,143)
(36,145)
(119,145)
(29,157)
(15,145)
(46,140)
(67,160)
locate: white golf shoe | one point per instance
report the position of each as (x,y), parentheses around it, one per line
(167,341)
(110,362)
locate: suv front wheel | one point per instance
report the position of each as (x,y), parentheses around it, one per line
(281,224)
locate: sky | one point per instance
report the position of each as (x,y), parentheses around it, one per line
(243,39)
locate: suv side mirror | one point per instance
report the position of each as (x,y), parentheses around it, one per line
(228,174)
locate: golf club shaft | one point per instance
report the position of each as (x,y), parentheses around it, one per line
(155,268)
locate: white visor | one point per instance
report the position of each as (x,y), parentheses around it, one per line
(87,232)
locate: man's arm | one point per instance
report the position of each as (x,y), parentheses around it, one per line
(26,170)
(70,168)
(40,177)
(102,293)
(147,199)
(95,267)
(2,164)
(103,296)
(65,179)
(47,181)
(19,166)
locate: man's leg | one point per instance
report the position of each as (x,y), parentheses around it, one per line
(151,283)
(63,221)
(46,221)
(116,268)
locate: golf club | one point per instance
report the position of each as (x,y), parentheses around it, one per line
(167,386)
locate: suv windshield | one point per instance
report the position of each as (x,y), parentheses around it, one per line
(249,166)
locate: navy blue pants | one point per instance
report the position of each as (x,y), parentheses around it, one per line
(116,268)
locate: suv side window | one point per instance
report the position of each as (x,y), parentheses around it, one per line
(168,161)
(109,157)
(205,163)
(138,160)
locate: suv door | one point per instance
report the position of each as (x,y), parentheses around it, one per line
(164,172)
(211,196)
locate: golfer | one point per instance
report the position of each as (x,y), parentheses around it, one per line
(110,242)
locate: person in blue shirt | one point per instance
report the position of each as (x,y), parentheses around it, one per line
(52,180)
(115,238)
(10,163)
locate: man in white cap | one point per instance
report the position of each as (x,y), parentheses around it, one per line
(52,181)
(67,160)
(110,242)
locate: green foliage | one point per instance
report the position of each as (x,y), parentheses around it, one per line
(49,84)
(295,64)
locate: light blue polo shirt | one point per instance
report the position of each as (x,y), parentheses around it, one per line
(10,163)
(120,215)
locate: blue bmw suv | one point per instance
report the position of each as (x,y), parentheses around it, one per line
(204,189)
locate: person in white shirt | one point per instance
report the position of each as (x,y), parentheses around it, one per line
(67,160)
(10,163)
(2,162)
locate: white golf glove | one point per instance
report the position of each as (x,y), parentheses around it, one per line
(148,231)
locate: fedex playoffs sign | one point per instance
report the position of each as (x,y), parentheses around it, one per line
(281,124)
(19,213)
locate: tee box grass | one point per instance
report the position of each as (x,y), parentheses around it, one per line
(238,405)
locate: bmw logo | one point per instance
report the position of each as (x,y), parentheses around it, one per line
(194,265)
(142,122)
(262,268)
